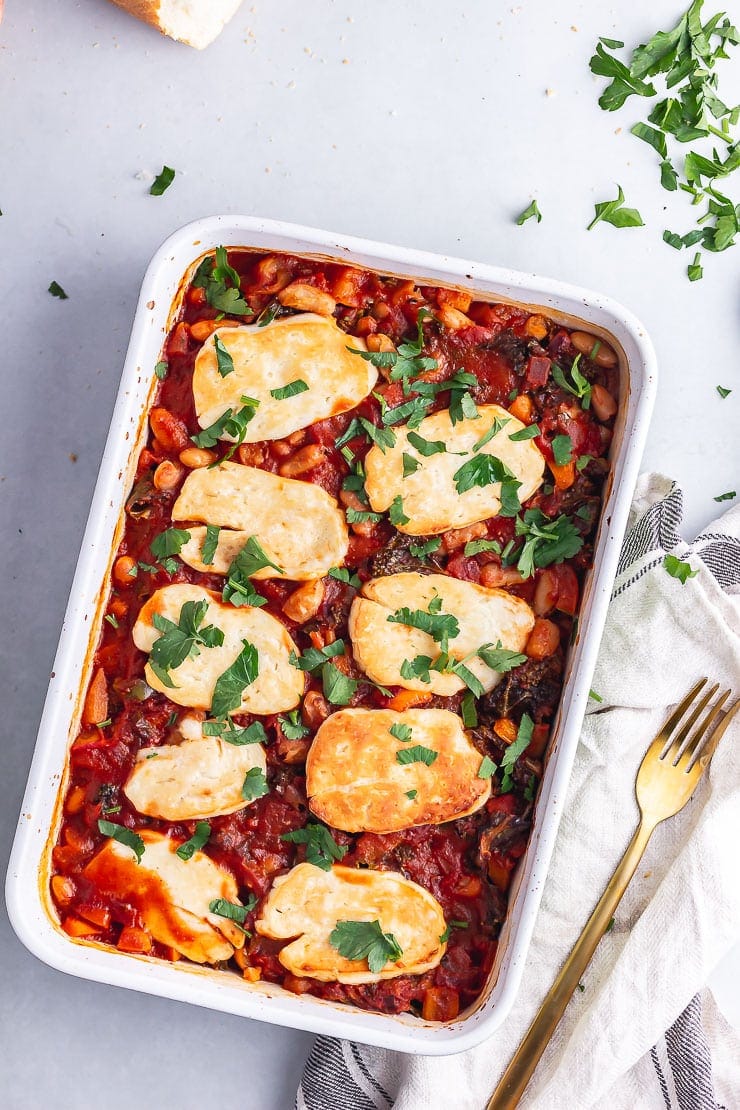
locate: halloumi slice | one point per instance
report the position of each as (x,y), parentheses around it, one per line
(200,777)
(355,782)
(278,685)
(485,616)
(307,348)
(429,494)
(245,501)
(307,903)
(171,895)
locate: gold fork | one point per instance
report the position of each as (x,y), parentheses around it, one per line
(668,775)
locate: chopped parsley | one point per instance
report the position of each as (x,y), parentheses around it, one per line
(292,389)
(339,688)
(395,512)
(445,936)
(531,211)
(169,542)
(497,426)
(113,620)
(679,569)
(613,212)
(162,181)
(359,940)
(56,291)
(292,726)
(729,496)
(473,547)
(421,550)
(343,575)
(232,423)
(594,696)
(410,464)
(224,361)
(468,711)
(239,588)
(406,362)
(487,768)
(400,732)
(222,284)
(545,541)
(723,392)
(515,749)
(314,658)
(529,432)
(483,470)
(161,370)
(426,447)
(197,841)
(230,686)
(562,450)
(411,794)
(694,269)
(123,835)
(361,516)
(321,847)
(499,658)
(578,385)
(234,734)
(416,754)
(181,641)
(210,543)
(232,911)
(254,785)
(442,627)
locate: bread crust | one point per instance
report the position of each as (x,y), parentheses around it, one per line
(153,13)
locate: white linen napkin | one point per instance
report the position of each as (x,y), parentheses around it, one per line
(639,1034)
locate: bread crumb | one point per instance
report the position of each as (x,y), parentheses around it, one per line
(549,92)
(72,457)
(573,28)
(345,61)
(618,131)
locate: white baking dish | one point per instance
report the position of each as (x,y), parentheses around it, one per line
(31,911)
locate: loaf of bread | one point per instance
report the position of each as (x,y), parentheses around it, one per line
(195,22)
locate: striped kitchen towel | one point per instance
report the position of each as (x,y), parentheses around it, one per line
(681,913)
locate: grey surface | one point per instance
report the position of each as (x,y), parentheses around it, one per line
(424,125)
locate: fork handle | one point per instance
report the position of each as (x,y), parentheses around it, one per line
(519,1072)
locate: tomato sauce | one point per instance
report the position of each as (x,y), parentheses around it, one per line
(467,864)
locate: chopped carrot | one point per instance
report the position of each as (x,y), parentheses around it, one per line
(407,699)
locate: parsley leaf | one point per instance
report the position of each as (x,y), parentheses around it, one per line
(233,734)
(416,754)
(313,658)
(622,85)
(250,559)
(292,389)
(343,575)
(359,940)
(442,627)
(694,269)
(232,911)
(729,496)
(161,370)
(678,569)
(162,181)
(545,541)
(224,361)
(482,470)
(651,136)
(123,835)
(169,542)
(410,464)
(181,641)
(400,731)
(338,687)
(473,547)
(515,749)
(487,768)
(529,432)
(723,392)
(213,275)
(421,550)
(383,438)
(227,693)
(411,794)
(360,516)
(197,841)
(56,291)
(395,512)
(499,658)
(426,447)
(562,450)
(493,431)
(292,726)
(321,847)
(578,386)
(231,424)
(613,212)
(254,785)
(210,543)
(468,711)
(531,211)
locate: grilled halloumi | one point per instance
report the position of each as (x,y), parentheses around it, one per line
(202,776)
(307,903)
(171,895)
(245,501)
(429,493)
(484,615)
(355,782)
(307,348)
(278,685)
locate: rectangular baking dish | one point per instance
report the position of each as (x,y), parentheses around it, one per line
(31,911)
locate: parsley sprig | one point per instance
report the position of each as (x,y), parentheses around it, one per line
(222,285)
(359,940)
(321,847)
(181,641)
(233,422)
(545,541)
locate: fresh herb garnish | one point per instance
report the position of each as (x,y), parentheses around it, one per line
(314,658)
(181,641)
(529,432)
(338,687)
(169,542)
(56,291)
(359,940)
(545,541)
(442,627)
(410,464)
(230,686)
(483,470)
(224,361)
(232,911)
(396,514)
(515,749)
(210,543)
(222,284)
(529,212)
(594,696)
(494,430)
(578,386)
(613,212)
(499,658)
(197,841)
(679,569)
(113,620)
(254,785)
(426,447)
(694,269)
(161,370)
(445,936)
(292,726)
(383,438)
(233,423)
(473,547)
(468,711)
(729,496)
(343,575)
(400,732)
(416,754)
(123,835)
(292,389)
(361,516)
(162,181)
(421,550)
(562,450)
(321,847)
(723,392)
(411,794)
(238,588)
(487,768)
(234,734)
